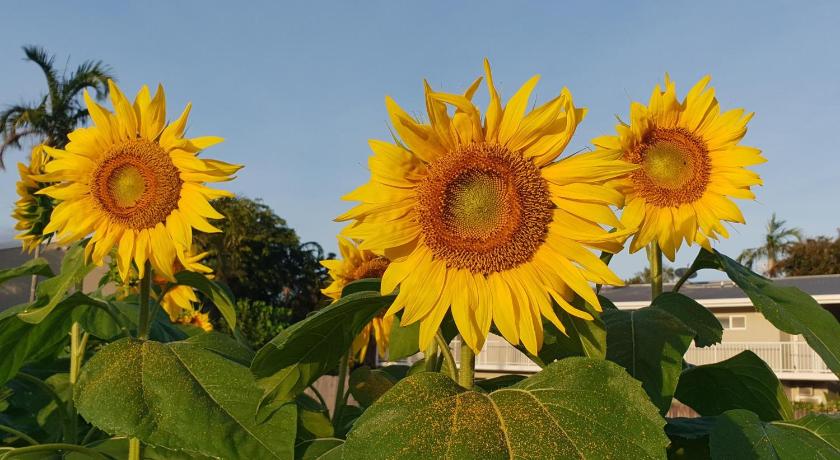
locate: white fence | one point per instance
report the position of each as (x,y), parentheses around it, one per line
(789,360)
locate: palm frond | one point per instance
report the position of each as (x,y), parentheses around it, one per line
(89,75)
(39,56)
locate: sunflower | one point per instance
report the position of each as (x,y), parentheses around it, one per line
(134,181)
(691,164)
(356,265)
(32,211)
(196,318)
(476,215)
(179,299)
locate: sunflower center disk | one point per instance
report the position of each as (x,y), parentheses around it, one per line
(675,167)
(484,208)
(137,184)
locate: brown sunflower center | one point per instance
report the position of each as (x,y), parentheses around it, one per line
(373,268)
(137,184)
(675,167)
(484,208)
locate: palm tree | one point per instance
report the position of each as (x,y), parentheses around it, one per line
(57,113)
(776,242)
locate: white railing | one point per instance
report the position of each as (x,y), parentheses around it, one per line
(789,360)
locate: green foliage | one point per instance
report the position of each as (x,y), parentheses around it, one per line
(403,341)
(741,382)
(367,385)
(215,292)
(50,292)
(814,256)
(649,343)
(60,110)
(261,259)
(582,337)
(708,330)
(574,408)
(182,396)
(787,308)
(260,322)
(319,449)
(308,349)
(741,434)
(36,266)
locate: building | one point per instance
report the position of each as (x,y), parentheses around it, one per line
(804,375)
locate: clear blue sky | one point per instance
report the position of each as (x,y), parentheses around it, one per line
(297,89)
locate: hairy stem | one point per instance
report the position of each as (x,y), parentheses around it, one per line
(145,289)
(52,448)
(447,356)
(655,270)
(19,434)
(133,449)
(343,368)
(466,374)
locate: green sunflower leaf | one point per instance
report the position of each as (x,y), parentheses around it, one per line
(574,408)
(741,382)
(788,308)
(50,292)
(650,344)
(741,434)
(182,396)
(37,266)
(708,328)
(308,349)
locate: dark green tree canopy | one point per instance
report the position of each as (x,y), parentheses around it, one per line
(813,256)
(261,259)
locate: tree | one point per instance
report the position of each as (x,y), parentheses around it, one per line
(57,113)
(777,240)
(261,259)
(814,256)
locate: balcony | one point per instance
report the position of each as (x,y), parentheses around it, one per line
(789,360)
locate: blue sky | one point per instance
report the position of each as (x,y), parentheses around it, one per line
(298,89)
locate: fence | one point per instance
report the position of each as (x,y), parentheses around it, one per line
(789,360)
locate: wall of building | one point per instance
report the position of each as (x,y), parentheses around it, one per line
(755,327)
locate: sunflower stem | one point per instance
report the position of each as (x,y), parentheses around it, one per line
(447,356)
(145,289)
(76,353)
(430,357)
(655,270)
(466,374)
(34,283)
(133,449)
(343,369)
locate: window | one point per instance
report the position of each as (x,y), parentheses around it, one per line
(734,322)
(806,391)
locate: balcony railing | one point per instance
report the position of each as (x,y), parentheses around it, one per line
(789,360)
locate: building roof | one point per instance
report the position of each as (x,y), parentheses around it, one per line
(824,288)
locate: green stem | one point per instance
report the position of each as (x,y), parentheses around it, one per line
(447,356)
(430,357)
(77,351)
(145,289)
(319,396)
(19,434)
(655,270)
(466,374)
(89,435)
(52,448)
(34,282)
(133,449)
(343,368)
